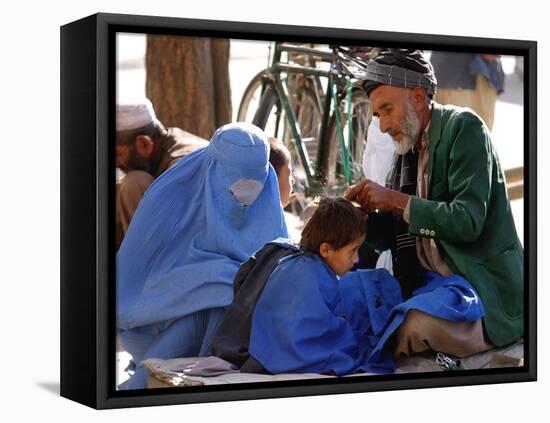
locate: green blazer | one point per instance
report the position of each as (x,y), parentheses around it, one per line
(468,215)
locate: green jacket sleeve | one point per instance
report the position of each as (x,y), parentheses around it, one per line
(458,214)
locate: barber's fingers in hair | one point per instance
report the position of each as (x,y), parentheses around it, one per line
(351,192)
(348,193)
(364,197)
(366,188)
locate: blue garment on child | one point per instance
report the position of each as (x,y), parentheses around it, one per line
(309,320)
(196,224)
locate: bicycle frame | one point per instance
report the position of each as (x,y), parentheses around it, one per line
(314,176)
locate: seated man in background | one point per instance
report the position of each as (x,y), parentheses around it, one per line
(144,149)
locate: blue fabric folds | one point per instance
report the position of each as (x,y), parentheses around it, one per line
(451,298)
(196,224)
(308,320)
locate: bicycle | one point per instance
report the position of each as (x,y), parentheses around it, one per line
(321,114)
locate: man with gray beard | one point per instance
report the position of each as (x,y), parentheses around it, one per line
(444,209)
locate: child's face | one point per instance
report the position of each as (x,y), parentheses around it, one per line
(343,259)
(286,182)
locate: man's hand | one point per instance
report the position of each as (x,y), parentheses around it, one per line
(372,196)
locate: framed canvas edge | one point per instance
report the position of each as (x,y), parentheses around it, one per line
(78,220)
(106,395)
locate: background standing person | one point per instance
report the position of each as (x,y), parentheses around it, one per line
(469,80)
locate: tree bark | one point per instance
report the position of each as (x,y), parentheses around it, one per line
(188,82)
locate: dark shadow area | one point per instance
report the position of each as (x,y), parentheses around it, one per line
(51,387)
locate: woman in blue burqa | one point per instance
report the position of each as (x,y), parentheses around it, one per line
(194,227)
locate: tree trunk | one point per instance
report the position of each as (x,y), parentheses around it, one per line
(188,82)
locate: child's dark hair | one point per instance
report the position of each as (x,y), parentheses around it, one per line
(336,221)
(279,155)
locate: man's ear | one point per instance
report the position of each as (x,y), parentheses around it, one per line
(144,145)
(418,97)
(325,249)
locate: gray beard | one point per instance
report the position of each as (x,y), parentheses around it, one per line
(404,146)
(411,131)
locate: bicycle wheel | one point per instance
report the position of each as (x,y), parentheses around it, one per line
(271,118)
(308,117)
(269,115)
(251,98)
(359,119)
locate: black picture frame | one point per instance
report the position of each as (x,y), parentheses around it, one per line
(87,207)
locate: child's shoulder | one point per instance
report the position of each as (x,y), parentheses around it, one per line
(304,275)
(278,244)
(304,264)
(292,259)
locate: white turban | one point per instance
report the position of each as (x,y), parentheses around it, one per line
(134,115)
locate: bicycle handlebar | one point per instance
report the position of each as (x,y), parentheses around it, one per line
(305,70)
(324,55)
(339,56)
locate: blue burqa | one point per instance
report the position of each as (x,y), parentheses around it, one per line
(309,320)
(196,224)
